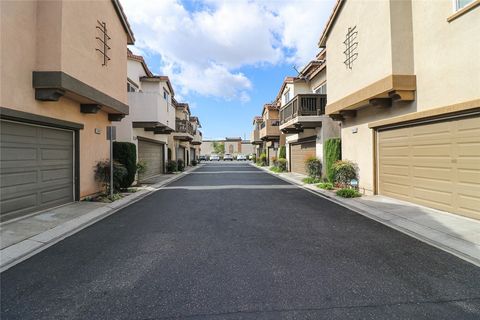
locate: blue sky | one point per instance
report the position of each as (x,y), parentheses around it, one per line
(224,62)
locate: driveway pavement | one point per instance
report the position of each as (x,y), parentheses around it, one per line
(229,241)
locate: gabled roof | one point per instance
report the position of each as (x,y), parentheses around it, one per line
(322,43)
(140,59)
(284,83)
(180,105)
(195,119)
(149,75)
(257,119)
(314,66)
(123,19)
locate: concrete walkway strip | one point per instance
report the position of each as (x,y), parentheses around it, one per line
(449,232)
(233,186)
(17,252)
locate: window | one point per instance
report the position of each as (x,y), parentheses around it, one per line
(130,87)
(286,96)
(165,95)
(459,4)
(321,89)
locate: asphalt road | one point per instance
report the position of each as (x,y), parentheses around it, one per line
(231,242)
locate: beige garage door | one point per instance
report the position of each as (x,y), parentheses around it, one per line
(152,154)
(299,153)
(436,165)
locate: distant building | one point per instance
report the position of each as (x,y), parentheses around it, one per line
(233,145)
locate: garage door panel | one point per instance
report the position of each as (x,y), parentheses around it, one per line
(399,170)
(299,153)
(19,203)
(152,154)
(440,167)
(36,168)
(444,174)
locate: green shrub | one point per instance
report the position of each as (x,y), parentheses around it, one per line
(125,153)
(332,152)
(194,163)
(282,164)
(325,185)
(311,180)
(314,167)
(282,153)
(172,166)
(263,160)
(180,165)
(344,171)
(275,169)
(102,175)
(348,193)
(274,161)
(141,167)
(254,158)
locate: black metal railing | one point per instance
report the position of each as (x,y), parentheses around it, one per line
(303,105)
(184,126)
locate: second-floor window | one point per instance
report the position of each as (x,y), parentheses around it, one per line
(165,95)
(322,89)
(130,87)
(459,4)
(286,96)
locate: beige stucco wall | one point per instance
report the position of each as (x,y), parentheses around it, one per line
(447,63)
(372,21)
(19,59)
(73,25)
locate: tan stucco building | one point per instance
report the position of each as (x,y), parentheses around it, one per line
(302,114)
(152,116)
(406,89)
(63,75)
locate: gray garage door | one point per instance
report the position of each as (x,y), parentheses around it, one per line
(181,154)
(36,169)
(152,154)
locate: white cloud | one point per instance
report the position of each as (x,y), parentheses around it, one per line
(203,50)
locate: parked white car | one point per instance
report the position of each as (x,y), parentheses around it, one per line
(214,157)
(227,156)
(242,157)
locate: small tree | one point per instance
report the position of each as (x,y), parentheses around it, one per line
(125,153)
(102,174)
(282,164)
(332,152)
(218,147)
(282,153)
(345,171)
(314,167)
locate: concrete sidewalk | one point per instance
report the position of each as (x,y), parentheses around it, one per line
(24,237)
(452,233)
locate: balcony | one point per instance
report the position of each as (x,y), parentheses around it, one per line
(303,111)
(255,136)
(184,130)
(269,130)
(151,112)
(197,138)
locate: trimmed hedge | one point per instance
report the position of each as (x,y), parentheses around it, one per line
(180,165)
(332,152)
(125,153)
(313,167)
(172,166)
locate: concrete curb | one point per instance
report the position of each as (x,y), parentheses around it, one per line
(14,254)
(461,248)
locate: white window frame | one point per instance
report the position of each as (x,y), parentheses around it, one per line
(323,85)
(286,96)
(456,5)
